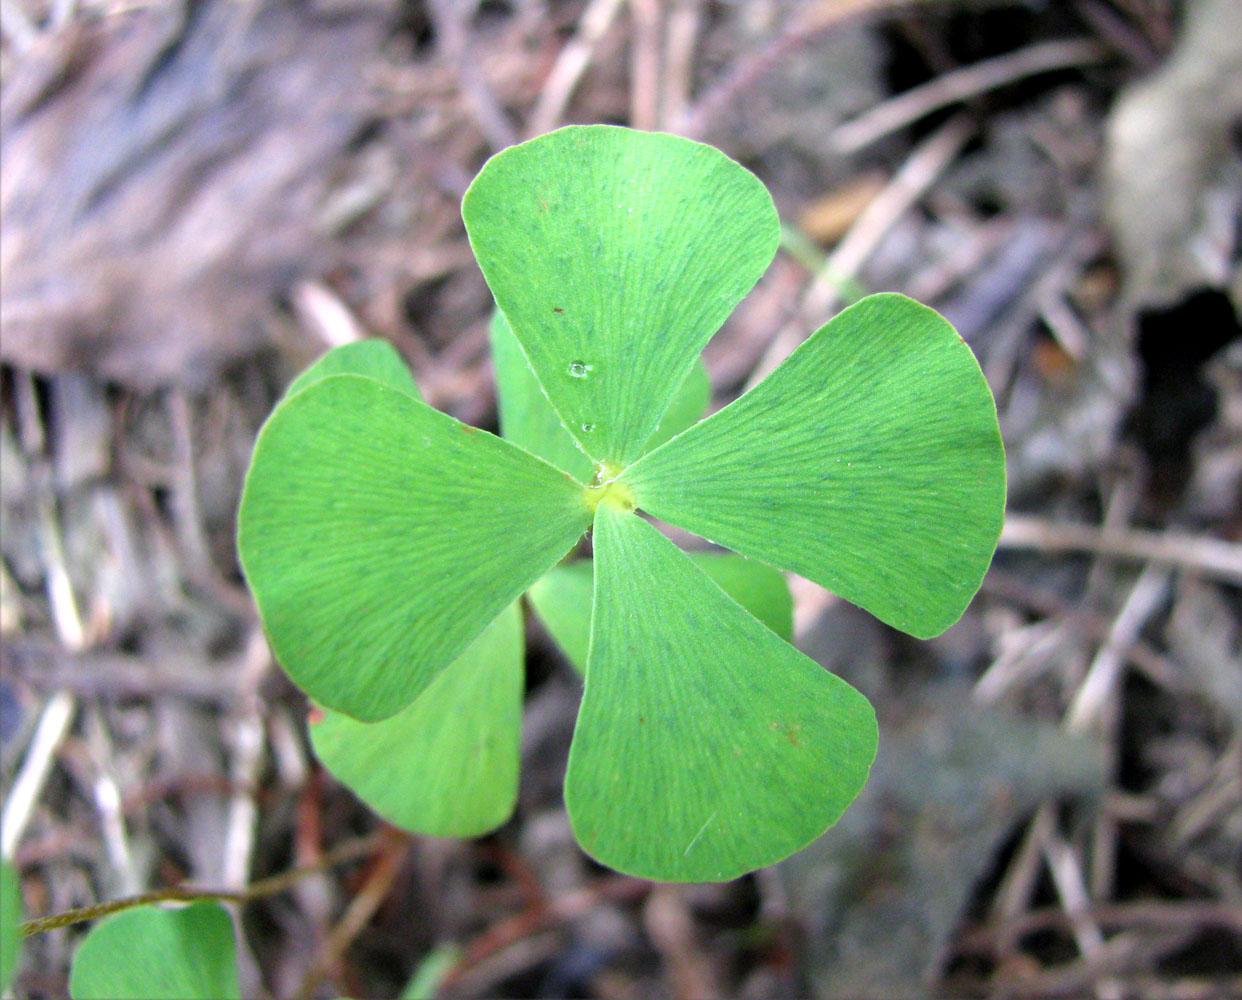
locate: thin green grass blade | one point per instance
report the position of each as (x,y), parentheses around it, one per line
(151,953)
(562,598)
(374,358)
(869,462)
(380,537)
(706,746)
(615,255)
(10,922)
(447,765)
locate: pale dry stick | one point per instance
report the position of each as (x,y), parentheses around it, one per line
(681,32)
(108,802)
(1067,877)
(187,517)
(60,710)
(247,733)
(17,27)
(669,924)
(1119,507)
(1096,703)
(917,174)
(1067,329)
(814,19)
(1105,845)
(1191,915)
(1206,556)
(645,64)
(53,726)
(575,57)
(961,85)
(449,22)
(1017,887)
(1222,794)
(1066,260)
(1100,683)
(63,12)
(321,310)
(1024,655)
(979,245)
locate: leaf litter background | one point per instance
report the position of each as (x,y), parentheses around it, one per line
(197,200)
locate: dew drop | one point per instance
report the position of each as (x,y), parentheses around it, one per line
(587,428)
(579,369)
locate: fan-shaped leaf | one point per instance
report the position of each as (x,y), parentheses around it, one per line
(869,462)
(150,953)
(447,765)
(615,255)
(706,746)
(373,358)
(380,537)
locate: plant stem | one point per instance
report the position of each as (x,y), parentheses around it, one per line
(348,851)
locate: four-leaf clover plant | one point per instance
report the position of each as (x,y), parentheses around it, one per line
(387,543)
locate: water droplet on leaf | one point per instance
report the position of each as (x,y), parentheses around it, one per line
(579,369)
(587,428)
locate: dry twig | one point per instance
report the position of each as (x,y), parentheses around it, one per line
(960,85)
(575,57)
(1196,553)
(916,175)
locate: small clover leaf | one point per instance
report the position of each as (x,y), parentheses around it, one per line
(152,953)
(375,359)
(381,536)
(447,764)
(615,255)
(869,462)
(706,746)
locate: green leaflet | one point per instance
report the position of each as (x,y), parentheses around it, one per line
(687,407)
(614,256)
(447,765)
(869,462)
(150,953)
(706,746)
(380,537)
(527,418)
(373,358)
(10,922)
(431,972)
(563,596)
